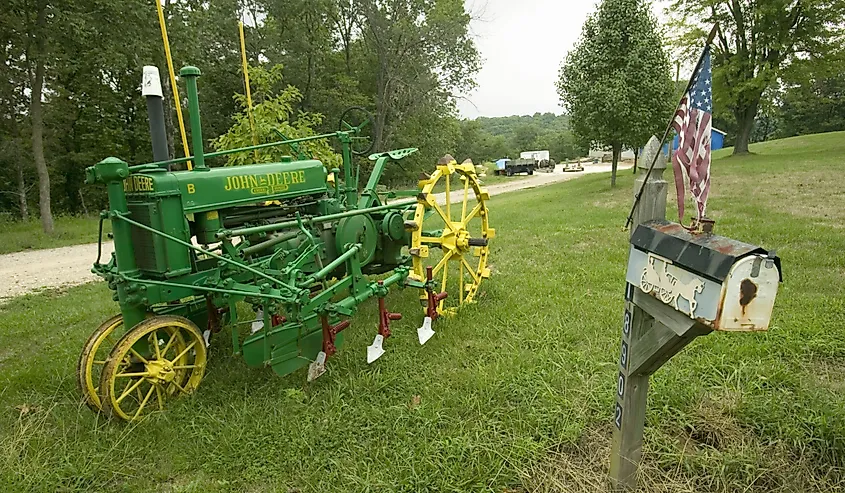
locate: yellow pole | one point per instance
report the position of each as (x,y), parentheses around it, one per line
(248,92)
(173,81)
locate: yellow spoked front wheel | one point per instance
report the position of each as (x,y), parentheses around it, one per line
(93,359)
(451,232)
(160,358)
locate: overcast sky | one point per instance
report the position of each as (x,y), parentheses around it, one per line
(522,43)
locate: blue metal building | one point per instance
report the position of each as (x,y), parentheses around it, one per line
(717,141)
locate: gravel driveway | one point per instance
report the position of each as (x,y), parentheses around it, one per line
(29,271)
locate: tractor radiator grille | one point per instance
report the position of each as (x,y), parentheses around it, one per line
(143,241)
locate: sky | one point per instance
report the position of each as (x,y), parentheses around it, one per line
(522,44)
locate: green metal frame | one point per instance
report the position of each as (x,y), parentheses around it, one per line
(274,266)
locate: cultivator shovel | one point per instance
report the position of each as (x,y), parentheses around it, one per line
(318,367)
(433,299)
(376,349)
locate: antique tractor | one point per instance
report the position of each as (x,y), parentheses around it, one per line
(289,241)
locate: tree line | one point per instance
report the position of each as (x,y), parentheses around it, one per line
(72,71)
(74,68)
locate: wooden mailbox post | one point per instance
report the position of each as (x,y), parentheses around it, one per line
(679,285)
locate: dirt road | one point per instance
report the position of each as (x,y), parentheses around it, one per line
(26,272)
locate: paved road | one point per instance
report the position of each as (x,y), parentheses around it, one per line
(30,271)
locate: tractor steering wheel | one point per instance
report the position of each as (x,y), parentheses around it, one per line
(360,122)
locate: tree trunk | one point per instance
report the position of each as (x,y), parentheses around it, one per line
(381,108)
(745,124)
(38,125)
(22,192)
(19,176)
(636,158)
(617,150)
(82,201)
(382,76)
(348,55)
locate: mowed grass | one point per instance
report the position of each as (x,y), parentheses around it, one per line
(69,230)
(513,394)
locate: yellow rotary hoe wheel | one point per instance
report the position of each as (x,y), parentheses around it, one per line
(160,358)
(451,233)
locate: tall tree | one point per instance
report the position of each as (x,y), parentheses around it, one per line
(36,60)
(422,51)
(13,78)
(757,38)
(616,82)
(812,99)
(525,137)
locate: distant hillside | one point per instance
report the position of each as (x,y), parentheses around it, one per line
(507,125)
(488,139)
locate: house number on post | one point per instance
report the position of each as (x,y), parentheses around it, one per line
(623,358)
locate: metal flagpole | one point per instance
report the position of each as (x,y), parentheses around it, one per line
(669,127)
(246,84)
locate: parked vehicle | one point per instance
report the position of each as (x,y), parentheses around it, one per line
(510,167)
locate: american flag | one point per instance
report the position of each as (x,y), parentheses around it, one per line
(693,123)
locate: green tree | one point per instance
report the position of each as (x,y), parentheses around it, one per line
(767,121)
(405,57)
(423,54)
(525,137)
(616,82)
(756,40)
(13,135)
(470,143)
(37,53)
(812,98)
(273,115)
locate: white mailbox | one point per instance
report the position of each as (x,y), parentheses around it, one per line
(722,283)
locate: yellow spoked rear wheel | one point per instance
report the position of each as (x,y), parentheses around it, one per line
(451,232)
(93,359)
(160,358)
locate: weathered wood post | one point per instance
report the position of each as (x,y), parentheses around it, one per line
(632,390)
(653,202)
(680,284)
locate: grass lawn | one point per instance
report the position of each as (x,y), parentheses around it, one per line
(69,230)
(514,394)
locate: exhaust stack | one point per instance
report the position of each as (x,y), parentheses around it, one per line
(151,90)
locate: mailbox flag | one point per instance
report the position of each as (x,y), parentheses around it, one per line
(693,123)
